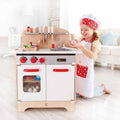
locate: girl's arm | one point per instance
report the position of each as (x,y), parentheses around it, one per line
(89,53)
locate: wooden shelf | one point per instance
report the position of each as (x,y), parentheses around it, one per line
(46,33)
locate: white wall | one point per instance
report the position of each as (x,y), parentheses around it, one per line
(64,14)
(106,11)
(21,13)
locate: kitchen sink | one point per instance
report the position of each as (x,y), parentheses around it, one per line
(61,49)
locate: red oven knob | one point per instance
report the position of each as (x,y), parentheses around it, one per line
(41,60)
(23,59)
(33,60)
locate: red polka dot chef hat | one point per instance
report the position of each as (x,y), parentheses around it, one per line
(91,21)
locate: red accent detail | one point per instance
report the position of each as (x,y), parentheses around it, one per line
(23,59)
(41,60)
(53,45)
(28,29)
(60,70)
(92,39)
(31,70)
(82,71)
(33,60)
(89,22)
(89,41)
(30,42)
(28,78)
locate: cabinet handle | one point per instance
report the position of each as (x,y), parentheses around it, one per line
(31,70)
(60,70)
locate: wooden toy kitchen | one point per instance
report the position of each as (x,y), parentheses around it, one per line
(45,70)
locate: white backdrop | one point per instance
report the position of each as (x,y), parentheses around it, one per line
(107,11)
(21,13)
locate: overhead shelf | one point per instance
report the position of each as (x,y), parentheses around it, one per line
(46,33)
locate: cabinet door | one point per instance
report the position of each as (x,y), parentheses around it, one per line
(31,82)
(60,82)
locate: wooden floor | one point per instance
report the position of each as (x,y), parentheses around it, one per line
(106,107)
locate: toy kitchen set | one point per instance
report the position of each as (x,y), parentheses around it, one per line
(45,70)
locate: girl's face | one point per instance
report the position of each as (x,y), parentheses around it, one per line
(86,31)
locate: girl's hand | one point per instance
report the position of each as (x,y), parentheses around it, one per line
(77,45)
(72,42)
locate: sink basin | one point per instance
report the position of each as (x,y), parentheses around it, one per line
(59,49)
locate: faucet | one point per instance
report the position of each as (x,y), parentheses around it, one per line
(58,42)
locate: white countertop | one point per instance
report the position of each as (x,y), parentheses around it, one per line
(47,51)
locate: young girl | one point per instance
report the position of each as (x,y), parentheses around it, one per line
(90,46)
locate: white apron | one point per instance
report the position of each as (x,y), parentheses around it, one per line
(85,73)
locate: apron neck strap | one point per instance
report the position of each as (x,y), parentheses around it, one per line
(93,38)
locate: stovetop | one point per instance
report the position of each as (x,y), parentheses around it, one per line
(45,56)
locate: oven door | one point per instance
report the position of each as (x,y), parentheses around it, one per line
(60,82)
(31,82)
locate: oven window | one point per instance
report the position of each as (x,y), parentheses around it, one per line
(31,83)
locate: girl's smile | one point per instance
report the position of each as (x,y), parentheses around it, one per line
(86,31)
